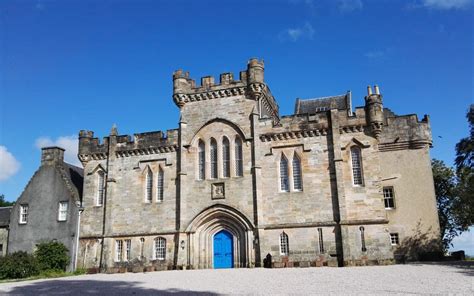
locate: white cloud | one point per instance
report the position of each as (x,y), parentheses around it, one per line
(69,143)
(446,4)
(9,166)
(377,54)
(295,34)
(464,242)
(350,5)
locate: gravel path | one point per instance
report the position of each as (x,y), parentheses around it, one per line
(376,280)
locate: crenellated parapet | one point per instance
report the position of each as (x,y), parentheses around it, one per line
(91,148)
(250,84)
(405,132)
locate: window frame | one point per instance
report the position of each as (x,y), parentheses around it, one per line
(23,218)
(160,182)
(63,211)
(284,244)
(201,159)
(225,157)
(159,249)
(238,157)
(118,250)
(284,180)
(148,185)
(394,238)
(100,189)
(299,175)
(388,199)
(128,250)
(357,170)
(214,159)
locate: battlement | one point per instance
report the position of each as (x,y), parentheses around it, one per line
(91,147)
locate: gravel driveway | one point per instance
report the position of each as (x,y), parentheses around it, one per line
(453,279)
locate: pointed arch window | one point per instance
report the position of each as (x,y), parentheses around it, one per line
(100,188)
(297,182)
(160,183)
(356,160)
(213,152)
(225,158)
(284,244)
(239,167)
(149,185)
(201,160)
(159,249)
(284,184)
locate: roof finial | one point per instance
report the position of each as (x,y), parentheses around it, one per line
(113,131)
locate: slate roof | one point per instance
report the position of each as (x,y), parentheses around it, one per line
(5,216)
(311,106)
(74,177)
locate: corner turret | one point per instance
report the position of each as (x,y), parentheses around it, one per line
(374,110)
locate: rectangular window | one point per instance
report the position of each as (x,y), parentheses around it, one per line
(356,166)
(160,248)
(284,244)
(321,243)
(389,198)
(159,188)
(62,211)
(23,214)
(118,250)
(239,164)
(100,188)
(128,249)
(394,240)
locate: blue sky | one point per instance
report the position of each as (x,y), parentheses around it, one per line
(72,65)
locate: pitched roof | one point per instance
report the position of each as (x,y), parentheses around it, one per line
(311,106)
(74,178)
(5,216)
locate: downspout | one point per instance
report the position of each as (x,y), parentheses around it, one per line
(76,252)
(106,184)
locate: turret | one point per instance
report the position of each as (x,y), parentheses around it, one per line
(374,110)
(182,84)
(255,69)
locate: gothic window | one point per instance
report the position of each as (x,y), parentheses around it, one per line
(160,183)
(201,160)
(118,250)
(356,166)
(362,238)
(149,185)
(388,198)
(284,244)
(100,188)
(284,184)
(160,249)
(62,211)
(213,152)
(394,240)
(23,214)
(239,168)
(297,182)
(225,158)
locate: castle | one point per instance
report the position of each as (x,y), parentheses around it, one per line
(238,185)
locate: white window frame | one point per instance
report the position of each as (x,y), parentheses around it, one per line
(128,249)
(63,208)
(357,167)
(118,250)
(23,219)
(100,188)
(394,238)
(388,195)
(160,182)
(284,244)
(159,248)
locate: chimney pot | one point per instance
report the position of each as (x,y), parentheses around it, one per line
(377,90)
(369,90)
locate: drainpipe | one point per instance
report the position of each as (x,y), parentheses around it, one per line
(76,252)
(106,185)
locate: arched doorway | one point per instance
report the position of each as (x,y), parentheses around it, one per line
(223,250)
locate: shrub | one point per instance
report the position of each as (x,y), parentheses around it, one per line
(18,265)
(52,256)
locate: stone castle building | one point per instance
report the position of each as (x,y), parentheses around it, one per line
(237,183)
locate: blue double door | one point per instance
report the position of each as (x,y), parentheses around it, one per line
(223,250)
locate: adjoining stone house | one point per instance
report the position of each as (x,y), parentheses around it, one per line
(236,182)
(48,208)
(4,223)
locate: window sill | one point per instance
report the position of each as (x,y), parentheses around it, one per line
(389,209)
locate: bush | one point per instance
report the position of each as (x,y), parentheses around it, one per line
(52,256)
(18,265)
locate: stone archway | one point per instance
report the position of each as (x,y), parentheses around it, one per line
(207,224)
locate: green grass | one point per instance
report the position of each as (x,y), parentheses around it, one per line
(48,274)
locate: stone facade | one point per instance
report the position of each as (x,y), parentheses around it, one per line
(4,227)
(271,176)
(36,216)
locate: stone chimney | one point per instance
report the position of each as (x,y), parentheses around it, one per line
(52,155)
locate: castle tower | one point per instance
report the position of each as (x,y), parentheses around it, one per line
(374,110)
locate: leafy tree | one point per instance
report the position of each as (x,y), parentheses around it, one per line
(4,203)
(52,256)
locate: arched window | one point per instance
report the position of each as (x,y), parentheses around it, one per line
(159,187)
(100,188)
(239,168)
(356,166)
(149,185)
(160,249)
(297,182)
(201,160)
(213,152)
(225,158)
(284,244)
(284,184)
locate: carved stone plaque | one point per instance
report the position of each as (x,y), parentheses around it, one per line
(217,191)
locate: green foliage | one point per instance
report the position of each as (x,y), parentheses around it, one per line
(18,265)
(4,203)
(52,256)
(80,271)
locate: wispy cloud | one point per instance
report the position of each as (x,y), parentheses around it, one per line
(69,143)
(294,34)
(442,4)
(349,5)
(9,166)
(376,54)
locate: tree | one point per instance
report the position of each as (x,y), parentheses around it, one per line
(4,203)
